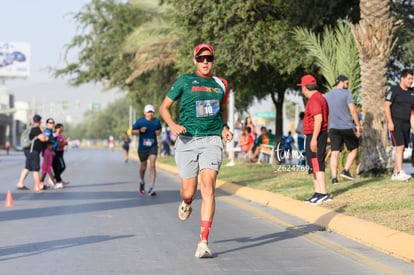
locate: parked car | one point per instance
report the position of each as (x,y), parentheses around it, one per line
(19,56)
(6,59)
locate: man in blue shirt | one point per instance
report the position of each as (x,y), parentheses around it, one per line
(148,128)
(344,126)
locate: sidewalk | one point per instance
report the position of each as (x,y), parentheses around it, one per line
(389,241)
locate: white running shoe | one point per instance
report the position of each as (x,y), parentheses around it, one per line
(231,163)
(203,251)
(184,211)
(401,176)
(152,192)
(59,185)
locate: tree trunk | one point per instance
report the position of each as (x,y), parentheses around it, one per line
(374,36)
(278,100)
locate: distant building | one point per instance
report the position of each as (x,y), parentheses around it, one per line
(14,117)
(6,117)
(22,119)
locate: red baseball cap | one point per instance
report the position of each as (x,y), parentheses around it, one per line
(201,46)
(307,80)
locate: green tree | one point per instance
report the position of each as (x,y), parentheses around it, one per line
(403,52)
(336,53)
(122,41)
(153,46)
(152,43)
(140,47)
(254,46)
(105,24)
(113,120)
(117,44)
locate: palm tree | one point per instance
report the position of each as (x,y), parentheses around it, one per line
(374,35)
(335,54)
(153,43)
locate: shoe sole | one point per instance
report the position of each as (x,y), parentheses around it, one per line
(347,177)
(184,218)
(141,190)
(203,253)
(311,200)
(324,200)
(318,200)
(404,179)
(206,255)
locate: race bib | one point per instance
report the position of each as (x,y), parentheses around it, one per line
(147,142)
(207,107)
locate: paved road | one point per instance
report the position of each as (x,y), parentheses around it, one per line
(99,224)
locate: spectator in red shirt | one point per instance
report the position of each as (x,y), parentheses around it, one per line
(315,126)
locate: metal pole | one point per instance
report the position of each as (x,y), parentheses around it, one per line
(130,116)
(230,119)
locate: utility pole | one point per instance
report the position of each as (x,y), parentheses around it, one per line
(230,119)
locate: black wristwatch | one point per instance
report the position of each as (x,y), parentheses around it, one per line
(226,125)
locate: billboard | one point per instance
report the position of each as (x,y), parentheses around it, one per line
(14,59)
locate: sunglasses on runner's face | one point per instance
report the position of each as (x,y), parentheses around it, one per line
(200,58)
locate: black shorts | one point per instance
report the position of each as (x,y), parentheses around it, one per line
(144,154)
(316,161)
(401,134)
(32,160)
(339,137)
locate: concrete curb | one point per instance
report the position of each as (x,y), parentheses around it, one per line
(389,241)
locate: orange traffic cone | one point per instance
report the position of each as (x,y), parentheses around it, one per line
(9,200)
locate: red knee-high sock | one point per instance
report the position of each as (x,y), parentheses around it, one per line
(205,230)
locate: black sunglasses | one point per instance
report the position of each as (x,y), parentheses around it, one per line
(200,58)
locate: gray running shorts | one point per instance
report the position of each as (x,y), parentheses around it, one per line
(193,154)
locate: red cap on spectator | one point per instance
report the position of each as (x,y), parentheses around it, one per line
(307,80)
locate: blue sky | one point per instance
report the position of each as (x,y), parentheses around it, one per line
(46,25)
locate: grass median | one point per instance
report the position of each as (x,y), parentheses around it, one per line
(375,199)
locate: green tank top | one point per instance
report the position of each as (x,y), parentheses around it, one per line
(200,104)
